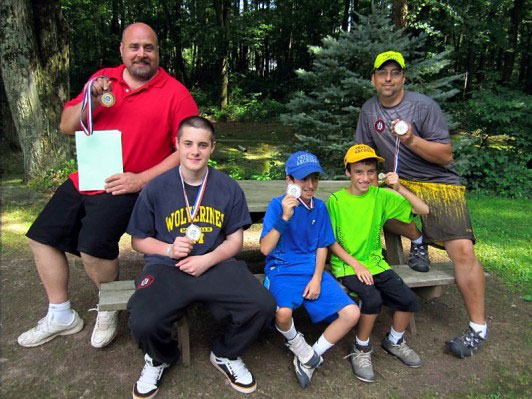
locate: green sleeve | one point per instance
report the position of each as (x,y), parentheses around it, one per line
(396,207)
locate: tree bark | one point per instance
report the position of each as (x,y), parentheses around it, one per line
(400,12)
(8,132)
(509,54)
(34,63)
(222,10)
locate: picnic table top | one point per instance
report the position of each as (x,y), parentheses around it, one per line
(259,193)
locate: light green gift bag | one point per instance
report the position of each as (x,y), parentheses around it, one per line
(99,156)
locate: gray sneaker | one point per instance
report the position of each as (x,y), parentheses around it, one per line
(304,371)
(304,352)
(401,351)
(361,363)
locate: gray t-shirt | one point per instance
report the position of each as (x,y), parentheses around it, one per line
(160,212)
(428,123)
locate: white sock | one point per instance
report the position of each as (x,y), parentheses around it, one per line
(395,336)
(418,240)
(290,334)
(481,329)
(61,312)
(322,345)
(359,342)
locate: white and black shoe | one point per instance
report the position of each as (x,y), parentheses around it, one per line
(236,373)
(147,385)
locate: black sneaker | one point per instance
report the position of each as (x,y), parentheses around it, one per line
(236,372)
(466,344)
(418,259)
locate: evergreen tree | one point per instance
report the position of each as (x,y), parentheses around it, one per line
(325,112)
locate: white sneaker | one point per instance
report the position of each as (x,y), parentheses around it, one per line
(304,352)
(105,328)
(147,385)
(236,372)
(47,329)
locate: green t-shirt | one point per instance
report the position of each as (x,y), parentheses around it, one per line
(357,224)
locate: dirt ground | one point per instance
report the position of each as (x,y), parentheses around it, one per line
(68,367)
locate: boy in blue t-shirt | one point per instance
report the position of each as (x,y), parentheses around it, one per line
(295,236)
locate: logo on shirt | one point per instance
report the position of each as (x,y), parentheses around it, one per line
(146,281)
(379,126)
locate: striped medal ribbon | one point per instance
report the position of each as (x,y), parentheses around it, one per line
(193,232)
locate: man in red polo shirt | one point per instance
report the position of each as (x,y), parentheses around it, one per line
(149,105)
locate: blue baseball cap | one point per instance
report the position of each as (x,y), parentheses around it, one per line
(301,164)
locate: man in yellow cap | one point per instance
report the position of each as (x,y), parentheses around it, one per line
(410,131)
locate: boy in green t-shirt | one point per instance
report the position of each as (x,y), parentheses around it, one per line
(357,216)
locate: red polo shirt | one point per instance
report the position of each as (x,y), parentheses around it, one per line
(148,118)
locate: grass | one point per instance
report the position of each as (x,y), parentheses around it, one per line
(503,228)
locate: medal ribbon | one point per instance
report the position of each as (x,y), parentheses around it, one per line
(87,103)
(396,155)
(199,196)
(310,206)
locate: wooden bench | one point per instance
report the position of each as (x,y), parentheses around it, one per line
(114,295)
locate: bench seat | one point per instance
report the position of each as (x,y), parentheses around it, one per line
(115,295)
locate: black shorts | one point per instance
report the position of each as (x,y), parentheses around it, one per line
(387,289)
(92,224)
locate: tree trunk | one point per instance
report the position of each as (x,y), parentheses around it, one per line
(345,15)
(8,132)
(509,54)
(34,63)
(400,12)
(222,9)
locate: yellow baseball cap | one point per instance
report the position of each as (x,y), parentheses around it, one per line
(359,152)
(389,56)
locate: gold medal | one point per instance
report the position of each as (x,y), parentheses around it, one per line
(193,232)
(107,99)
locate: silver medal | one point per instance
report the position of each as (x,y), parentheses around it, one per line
(107,99)
(193,232)
(294,190)
(401,128)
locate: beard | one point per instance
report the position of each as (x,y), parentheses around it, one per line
(142,73)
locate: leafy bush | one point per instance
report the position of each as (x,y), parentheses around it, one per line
(492,170)
(492,156)
(54,177)
(247,109)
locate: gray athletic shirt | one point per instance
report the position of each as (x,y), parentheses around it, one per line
(428,122)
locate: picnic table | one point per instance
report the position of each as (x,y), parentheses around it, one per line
(115,295)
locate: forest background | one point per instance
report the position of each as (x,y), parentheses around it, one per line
(306,63)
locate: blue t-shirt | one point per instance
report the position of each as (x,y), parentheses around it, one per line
(307,231)
(160,212)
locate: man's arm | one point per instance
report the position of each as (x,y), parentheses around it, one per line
(124,183)
(438,153)
(361,271)
(71,115)
(197,265)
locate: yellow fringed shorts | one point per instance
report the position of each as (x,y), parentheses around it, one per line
(448,218)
